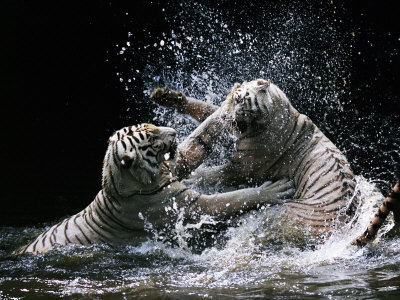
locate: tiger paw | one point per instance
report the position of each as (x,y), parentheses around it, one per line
(169,98)
(277,192)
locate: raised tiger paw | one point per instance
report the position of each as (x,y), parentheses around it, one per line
(277,192)
(169,98)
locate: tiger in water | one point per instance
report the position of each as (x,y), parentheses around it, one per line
(139,188)
(273,141)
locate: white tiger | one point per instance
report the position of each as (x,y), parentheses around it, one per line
(139,186)
(273,141)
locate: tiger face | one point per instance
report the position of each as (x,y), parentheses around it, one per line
(136,152)
(248,102)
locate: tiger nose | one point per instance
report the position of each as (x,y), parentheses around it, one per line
(168,131)
(172,137)
(173,133)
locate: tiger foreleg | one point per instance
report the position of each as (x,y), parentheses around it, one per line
(199,144)
(225,205)
(391,203)
(199,110)
(214,176)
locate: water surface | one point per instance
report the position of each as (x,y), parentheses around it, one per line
(258,256)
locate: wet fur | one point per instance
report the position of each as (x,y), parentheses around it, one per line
(273,141)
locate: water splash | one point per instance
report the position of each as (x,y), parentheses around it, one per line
(302,49)
(305,49)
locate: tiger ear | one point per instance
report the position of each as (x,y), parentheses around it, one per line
(112,138)
(262,84)
(229,97)
(236,85)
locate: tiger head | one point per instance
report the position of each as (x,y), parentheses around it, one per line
(135,154)
(252,103)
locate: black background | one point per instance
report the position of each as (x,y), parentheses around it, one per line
(61,98)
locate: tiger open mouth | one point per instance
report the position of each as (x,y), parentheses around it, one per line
(172,153)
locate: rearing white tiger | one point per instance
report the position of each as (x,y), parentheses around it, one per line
(138,185)
(273,141)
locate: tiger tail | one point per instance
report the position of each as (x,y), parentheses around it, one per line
(391,203)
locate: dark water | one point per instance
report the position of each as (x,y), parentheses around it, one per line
(308,52)
(259,257)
